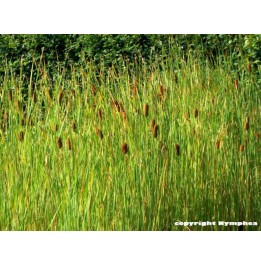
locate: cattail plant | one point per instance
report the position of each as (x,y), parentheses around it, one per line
(218,143)
(177,147)
(195,112)
(48,94)
(59,142)
(161,92)
(100,113)
(54,127)
(134,90)
(73,126)
(236,84)
(257,136)
(68,144)
(10,95)
(175,79)
(60,96)
(146,110)
(155,131)
(93,90)
(4,116)
(246,124)
(241,148)
(124,148)
(99,133)
(21,136)
(116,105)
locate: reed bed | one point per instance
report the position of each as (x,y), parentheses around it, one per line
(104,153)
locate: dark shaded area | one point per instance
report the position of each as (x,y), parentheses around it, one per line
(24,53)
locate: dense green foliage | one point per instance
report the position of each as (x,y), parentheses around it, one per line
(23,50)
(62,164)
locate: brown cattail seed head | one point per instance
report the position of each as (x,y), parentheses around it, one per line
(99,133)
(195,112)
(177,146)
(124,148)
(246,125)
(10,95)
(236,84)
(241,147)
(4,116)
(68,144)
(99,113)
(146,109)
(59,142)
(152,124)
(257,136)
(175,79)
(134,90)
(116,105)
(73,126)
(161,90)
(93,90)
(60,96)
(155,131)
(54,127)
(21,136)
(218,144)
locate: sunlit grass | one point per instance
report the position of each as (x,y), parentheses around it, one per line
(131,150)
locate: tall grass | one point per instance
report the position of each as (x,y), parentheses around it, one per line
(81,152)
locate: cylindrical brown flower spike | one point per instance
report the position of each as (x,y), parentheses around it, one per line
(177,146)
(161,90)
(124,148)
(100,113)
(218,144)
(68,144)
(241,148)
(21,136)
(236,83)
(134,90)
(195,112)
(54,127)
(246,125)
(146,110)
(10,95)
(155,131)
(73,126)
(60,96)
(93,90)
(99,133)
(59,142)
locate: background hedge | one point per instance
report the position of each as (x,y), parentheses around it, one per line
(53,50)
